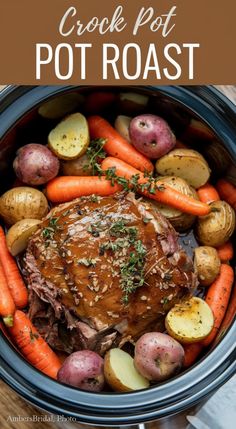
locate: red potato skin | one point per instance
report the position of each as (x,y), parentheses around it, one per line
(158,356)
(35,164)
(151,135)
(83,369)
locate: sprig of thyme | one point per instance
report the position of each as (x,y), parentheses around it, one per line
(133,184)
(95,152)
(132,272)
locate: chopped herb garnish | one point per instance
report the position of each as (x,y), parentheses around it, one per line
(88,262)
(53,222)
(94,198)
(146,219)
(95,152)
(48,232)
(168,276)
(132,272)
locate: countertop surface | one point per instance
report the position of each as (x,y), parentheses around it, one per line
(14,410)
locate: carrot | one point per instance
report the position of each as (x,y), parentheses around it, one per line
(227,192)
(99,101)
(231,312)
(217,298)
(116,145)
(207,194)
(7,306)
(191,353)
(164,194)
(225,252)
(66,188)
(33,347)
(14,280)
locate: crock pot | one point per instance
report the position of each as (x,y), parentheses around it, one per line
(18,108)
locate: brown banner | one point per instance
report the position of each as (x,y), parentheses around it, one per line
(117,42)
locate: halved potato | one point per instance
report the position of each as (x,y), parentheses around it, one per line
(185,163)
(61,105)
(120,372)
(18,235)
(190,322)
(70,138)
(180,221)
(122,123)
(132,103)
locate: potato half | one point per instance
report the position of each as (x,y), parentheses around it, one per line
(185,163)
(18,235)
(70,138)
(120,372)
(180,221)
(207,264)
(217,227)
(22,202)
(191,321)
(60,106)
(122,124)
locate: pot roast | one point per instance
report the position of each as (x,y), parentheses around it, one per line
(104,270)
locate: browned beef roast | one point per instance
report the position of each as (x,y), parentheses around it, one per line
(104,270)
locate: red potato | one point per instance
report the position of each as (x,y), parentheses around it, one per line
(35,164)
(158,356)
(83,369)
(151,135)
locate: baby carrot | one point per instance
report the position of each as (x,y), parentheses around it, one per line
(7,306)
(14,280)
(191,353)
(116,145)
(227,192)
(217,298)
(66,188)
(33,346)
(231,311)
(225,252)
(163,193)
(207,194)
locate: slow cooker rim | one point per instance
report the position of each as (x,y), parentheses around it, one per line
(143,395)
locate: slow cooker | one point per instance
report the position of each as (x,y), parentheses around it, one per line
(18,116)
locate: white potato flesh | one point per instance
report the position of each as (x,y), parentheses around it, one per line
(60,106)
(133,97)
(70,138)
(18,235)
(191,321)
(185,163)
(122,123)
(120,372)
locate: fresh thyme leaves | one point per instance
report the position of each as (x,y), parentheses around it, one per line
(48,232)
(132,272)
(95,152)
(168,276)
(132,267)
(94,198)
(88,262)
(133,183)
(146,220)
